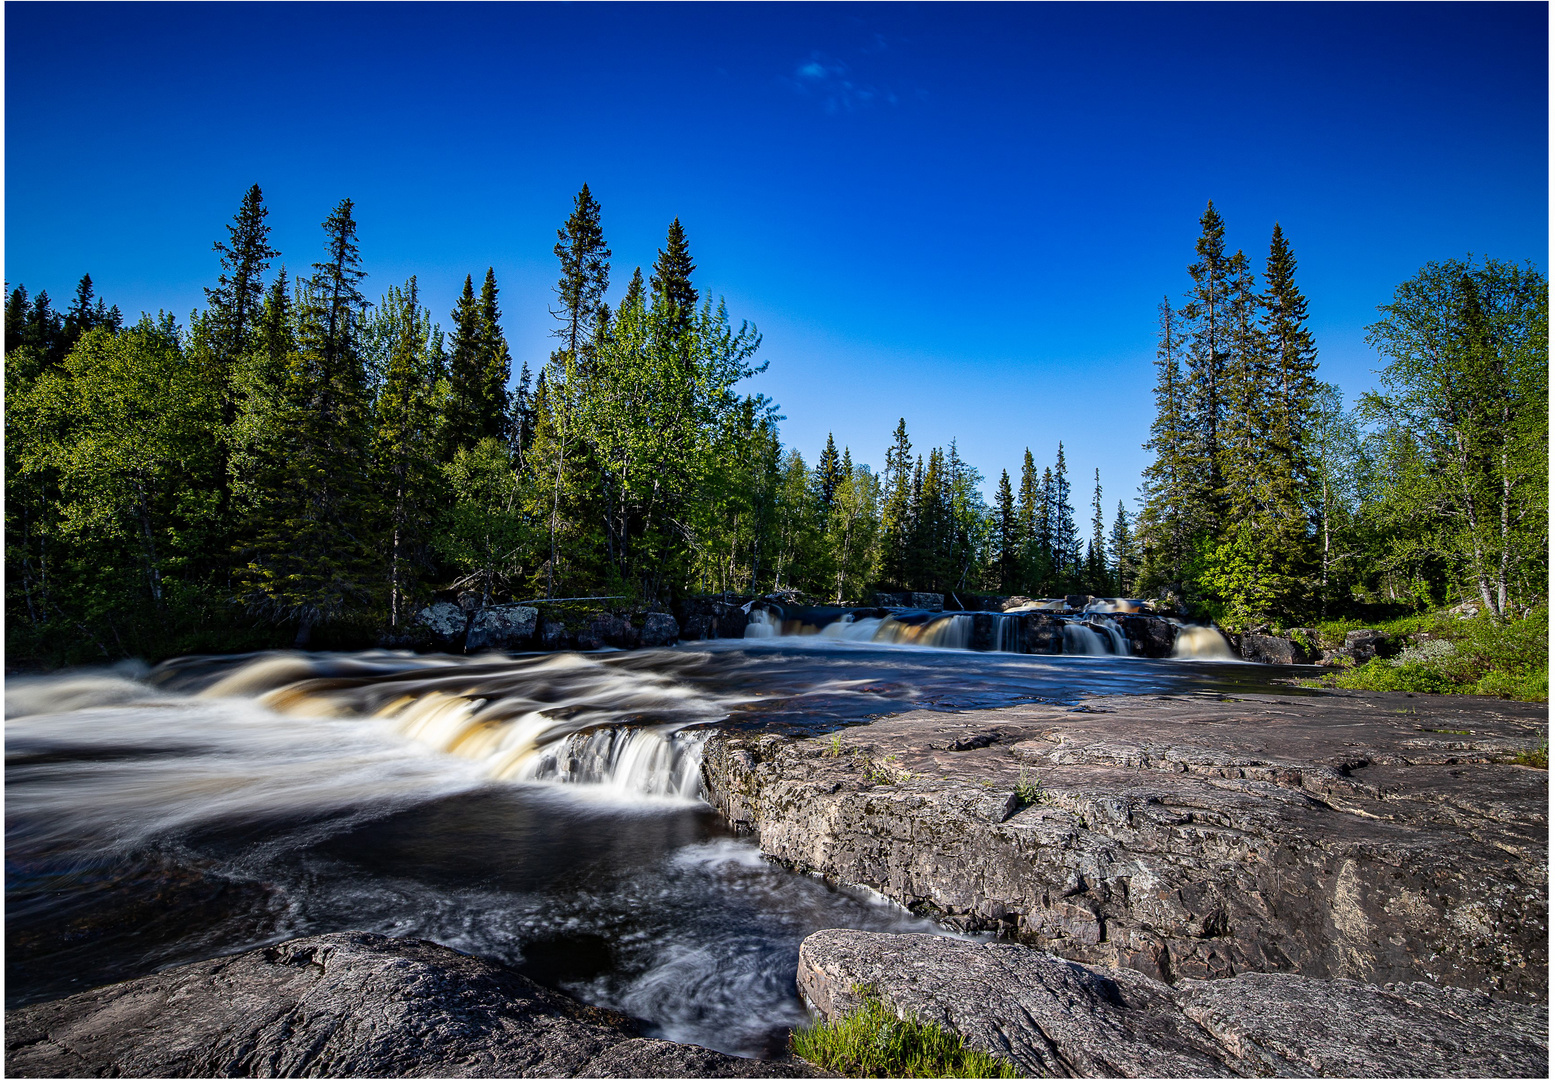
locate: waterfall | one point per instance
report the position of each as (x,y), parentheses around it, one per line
(1201,643)
(1114,634)
(761,624)
(566,718)
(641,761)
(1081,640)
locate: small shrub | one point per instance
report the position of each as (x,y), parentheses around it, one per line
(871,1040)
(1029,790)
(834,748)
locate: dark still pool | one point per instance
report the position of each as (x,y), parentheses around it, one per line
(538,810)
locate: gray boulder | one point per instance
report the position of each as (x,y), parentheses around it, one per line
(702,617)
(446,621)
(928,601)
(1148,635)
(1053,1017)
(1267,649)
(1363,645)
(660,628)
(347,1004)
(893,599)
(505,626)
(607,628)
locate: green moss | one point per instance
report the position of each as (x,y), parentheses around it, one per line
(871,1040)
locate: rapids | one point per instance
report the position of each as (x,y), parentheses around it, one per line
(542,810)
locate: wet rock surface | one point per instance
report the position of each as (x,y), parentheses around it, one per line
(1053,1017)
(1379,837)
(346,1005)
(504,626)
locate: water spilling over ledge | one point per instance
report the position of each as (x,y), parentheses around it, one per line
(1077,626)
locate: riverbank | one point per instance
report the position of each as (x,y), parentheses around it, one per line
(1338,835)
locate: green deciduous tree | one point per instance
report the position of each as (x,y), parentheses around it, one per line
(1463,413)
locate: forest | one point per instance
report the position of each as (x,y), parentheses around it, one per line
(294,464)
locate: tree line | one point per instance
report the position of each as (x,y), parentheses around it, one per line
(1268,500)
(297,463)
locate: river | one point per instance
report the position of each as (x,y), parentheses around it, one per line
(540,810)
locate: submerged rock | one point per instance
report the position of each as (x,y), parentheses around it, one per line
(346,1004)
(1053,1017)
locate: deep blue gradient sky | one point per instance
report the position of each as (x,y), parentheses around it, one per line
(964,215)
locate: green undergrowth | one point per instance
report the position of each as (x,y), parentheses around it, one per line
(871,1040)
(1458,656)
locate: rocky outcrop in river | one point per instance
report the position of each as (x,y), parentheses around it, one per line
(1053,1017)
(345,1005)
(1384,838)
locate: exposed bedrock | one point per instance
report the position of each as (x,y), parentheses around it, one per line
(1053,1017)
(345,1005)
(1375,837)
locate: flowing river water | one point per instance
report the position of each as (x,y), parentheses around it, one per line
(540,810)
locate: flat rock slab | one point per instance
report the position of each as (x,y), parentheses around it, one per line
(1379,837)
(1054,1017)
(345,1005)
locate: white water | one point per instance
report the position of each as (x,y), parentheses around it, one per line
(1201,643)
(1081,640)
(567,718)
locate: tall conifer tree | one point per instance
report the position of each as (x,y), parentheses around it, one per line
(235,303)
(671,281)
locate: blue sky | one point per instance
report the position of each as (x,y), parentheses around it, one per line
(962,215)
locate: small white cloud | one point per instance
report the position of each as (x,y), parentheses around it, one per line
(830,80)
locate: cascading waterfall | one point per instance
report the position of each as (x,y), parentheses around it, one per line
(1114,634)
(566,718)
(1201,643)
(1088,634)
(1081,640)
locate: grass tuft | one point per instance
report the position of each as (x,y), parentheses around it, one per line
(1538,757)
(871,1040)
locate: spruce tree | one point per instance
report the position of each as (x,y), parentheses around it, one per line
(235,303)
(1292,358)
(1028,508)
(313,559)
(1067,558)
(828,474)
(585,276)
(671,281)
(1047,566)
(1207,343)
(1096,552)
(465,406)
(1009,535)
(495,364)
(1167,520)
(896,515)
(521,424)
(1122,552)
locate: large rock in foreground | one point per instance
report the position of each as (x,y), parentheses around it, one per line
(345,1005)
(1053,1017)
(1386,838)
